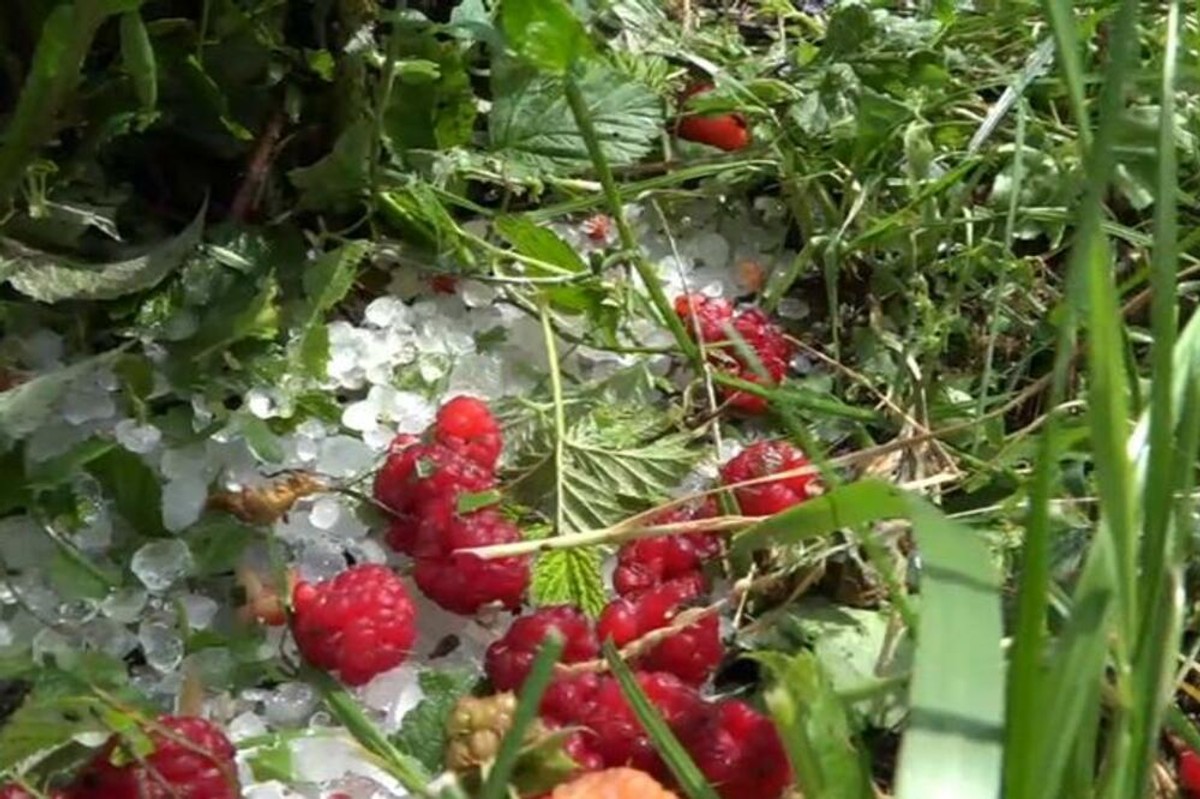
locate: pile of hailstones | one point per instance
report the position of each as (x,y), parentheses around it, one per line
(362,622)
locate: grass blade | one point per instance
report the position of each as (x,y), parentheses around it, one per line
(953,746)
(540,674)
(687,774)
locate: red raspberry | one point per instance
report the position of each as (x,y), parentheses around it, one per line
(508,658)
(711,314)
(739,751)
(771,348)
(192,759)
(463,583)
(17,792)
(761,459)
(413,472)
(567,695)
(619,738)
(691,654)
(649,562)
(359,624)
(466,425)
(1189,774)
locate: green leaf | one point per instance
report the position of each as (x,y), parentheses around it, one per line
(133,488)
(612,466)
(62,45)
(849,644)
(339,181)
(438,111)
(26,407)
(59,707)
(471,501)
(569,576)
(326,283)
(545,32)
(531,239)
(850,26)
(217,543)
(260,438)
(816,728)
(138,54)
(532,126)
(954,740)
(74,580)
(48,278)
(422,733)
(273,762)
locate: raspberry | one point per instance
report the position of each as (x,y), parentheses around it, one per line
(614,783)
(691,654)
(649,562)
(17,792)
(463,583)
(619,738)
(466,425)
(1189,774)
(192,759)
(477,725)
(413,472)
(509,658)
(566,696)
(771,348)
(739,751)
(359,624)
(765,458)
(710,315)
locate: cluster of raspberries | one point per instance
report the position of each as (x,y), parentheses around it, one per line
(711,319)
(423,482)
(363,622)
(191,759)
(736,747)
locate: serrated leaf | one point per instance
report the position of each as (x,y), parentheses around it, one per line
(273,762)
(544,32)
(423,731)
(49,278)
(531,239)
(133,488)
(612,467)
(24,408)
(569,576)
(326,282)
(532,125)
(59,707)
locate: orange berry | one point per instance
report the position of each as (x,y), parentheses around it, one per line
(613,783)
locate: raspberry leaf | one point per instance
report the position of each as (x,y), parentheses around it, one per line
(616,461)
(422,733)
(569,577)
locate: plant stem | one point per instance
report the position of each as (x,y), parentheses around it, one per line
(629,243)
(560,415)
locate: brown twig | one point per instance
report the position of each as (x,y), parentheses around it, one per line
(256,171)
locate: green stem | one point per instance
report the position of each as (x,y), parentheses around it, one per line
(404,768)
(497,784)
(612,195)
(560,416)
